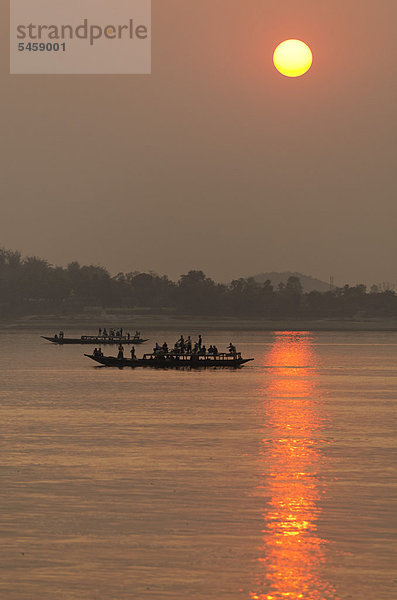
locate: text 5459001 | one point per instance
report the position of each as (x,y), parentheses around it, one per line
(42,47)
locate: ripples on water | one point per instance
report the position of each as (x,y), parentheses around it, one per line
(273,482)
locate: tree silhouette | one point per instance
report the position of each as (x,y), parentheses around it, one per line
(33,286)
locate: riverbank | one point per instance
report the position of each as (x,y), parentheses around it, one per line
(89,323)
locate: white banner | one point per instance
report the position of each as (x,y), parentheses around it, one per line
(80,37)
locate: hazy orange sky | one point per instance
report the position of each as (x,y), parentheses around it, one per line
(215,161)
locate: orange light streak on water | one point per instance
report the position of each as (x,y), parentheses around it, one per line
(292,555)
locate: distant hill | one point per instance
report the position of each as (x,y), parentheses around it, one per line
(309,283)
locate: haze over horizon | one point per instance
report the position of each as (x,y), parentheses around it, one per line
(215,161)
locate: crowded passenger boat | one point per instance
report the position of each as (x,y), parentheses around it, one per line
(103,337)
(184,353)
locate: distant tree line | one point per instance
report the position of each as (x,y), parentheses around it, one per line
(33,286)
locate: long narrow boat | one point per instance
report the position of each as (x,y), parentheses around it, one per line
(94,339)
(171,361)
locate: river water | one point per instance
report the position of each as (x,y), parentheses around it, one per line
(276,481)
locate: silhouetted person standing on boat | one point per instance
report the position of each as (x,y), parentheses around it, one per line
(189,345)
(133,353)
(121,351)
(99,332)
(200,342)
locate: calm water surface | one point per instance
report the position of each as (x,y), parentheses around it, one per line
(273,482)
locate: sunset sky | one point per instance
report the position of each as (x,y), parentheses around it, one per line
(215,161)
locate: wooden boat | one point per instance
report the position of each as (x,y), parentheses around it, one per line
(95,339)
(167,361)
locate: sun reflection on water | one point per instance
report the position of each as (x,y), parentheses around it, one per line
(292,555)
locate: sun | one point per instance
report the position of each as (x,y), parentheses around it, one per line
(292,58)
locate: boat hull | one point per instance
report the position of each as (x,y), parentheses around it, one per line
(92,341)
(176,362)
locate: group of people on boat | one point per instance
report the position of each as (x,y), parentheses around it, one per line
(185,346)
(120,354)
(117,333)
(107,335)
(182,347)
(98,352)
